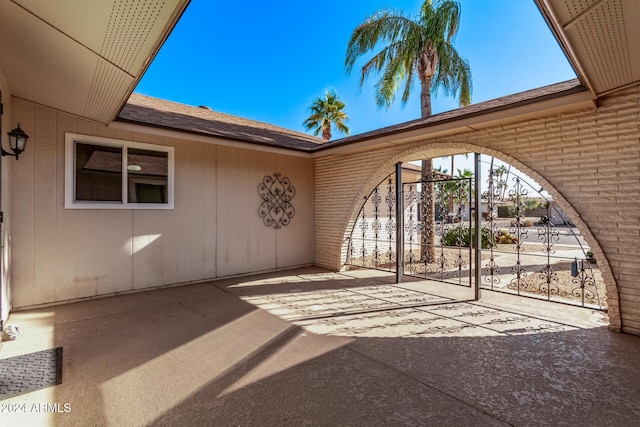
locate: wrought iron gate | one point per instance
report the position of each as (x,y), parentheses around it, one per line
(526,250)
(372,241)
(436,229)
(535,251)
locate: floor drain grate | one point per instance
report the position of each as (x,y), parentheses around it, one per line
(30,372)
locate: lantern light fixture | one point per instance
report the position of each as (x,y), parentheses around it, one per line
(17,142)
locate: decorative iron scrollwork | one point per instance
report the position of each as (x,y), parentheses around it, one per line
(535,268)
(276,193)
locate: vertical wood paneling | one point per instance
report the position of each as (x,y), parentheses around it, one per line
(5,182)
(46,278)
(195,213)
(226,183)
(244,243)
(261,240)
(154,249)
(114,264)
(86,127)
(213,231)
(209,220)
(66,220)
(86,282)
(295,241)
(22,215)
(185,242)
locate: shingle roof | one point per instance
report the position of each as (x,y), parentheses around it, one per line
(498,104)
(142,109)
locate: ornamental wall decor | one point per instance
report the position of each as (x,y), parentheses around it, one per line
(276,193)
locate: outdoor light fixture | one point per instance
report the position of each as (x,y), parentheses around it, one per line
(17,141)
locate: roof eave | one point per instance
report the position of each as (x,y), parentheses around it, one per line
(152,55)
(557,101)
(575,98)
(167,131)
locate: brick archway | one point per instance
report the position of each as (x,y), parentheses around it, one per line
(369,168)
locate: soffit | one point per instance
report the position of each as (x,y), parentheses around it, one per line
(601,39)
(81,57)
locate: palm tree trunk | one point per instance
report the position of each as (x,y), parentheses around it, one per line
(427,248)
(452,176)
(326,132)
(506,182)
(425,98)
(427,244)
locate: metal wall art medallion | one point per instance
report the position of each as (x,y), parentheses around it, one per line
(276,193)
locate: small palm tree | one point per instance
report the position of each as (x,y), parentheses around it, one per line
(325,112)
(502,184)
(457,191)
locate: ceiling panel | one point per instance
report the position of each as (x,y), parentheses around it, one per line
(82,57)
(600,36)
(574,8)
(601,39)
(40,64)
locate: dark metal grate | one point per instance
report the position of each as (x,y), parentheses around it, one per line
(30,372)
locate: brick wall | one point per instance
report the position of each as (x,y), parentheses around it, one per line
(588,160)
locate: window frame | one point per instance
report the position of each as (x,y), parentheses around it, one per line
(70,177)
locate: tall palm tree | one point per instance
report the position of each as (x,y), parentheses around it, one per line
(414,47)
(419,47)
(325,112)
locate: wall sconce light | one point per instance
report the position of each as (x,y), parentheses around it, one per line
(17,141)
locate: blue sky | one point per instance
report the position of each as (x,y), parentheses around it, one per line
(268,60)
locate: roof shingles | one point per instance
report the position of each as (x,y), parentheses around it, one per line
(142,109)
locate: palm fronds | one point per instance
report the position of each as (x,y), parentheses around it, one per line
(420,46)
(325,112)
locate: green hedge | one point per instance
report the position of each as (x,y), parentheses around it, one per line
(505,211)
(460,236)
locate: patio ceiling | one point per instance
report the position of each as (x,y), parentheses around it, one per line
(81,57)
(601,38)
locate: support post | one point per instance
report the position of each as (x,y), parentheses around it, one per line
(399,224)
(478,227)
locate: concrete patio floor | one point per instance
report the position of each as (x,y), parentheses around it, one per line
(313,347)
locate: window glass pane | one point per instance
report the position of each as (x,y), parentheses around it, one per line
(148,176)
(98,173)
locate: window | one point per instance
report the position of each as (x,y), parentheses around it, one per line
(103,173)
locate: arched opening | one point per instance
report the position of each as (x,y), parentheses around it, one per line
(533,243)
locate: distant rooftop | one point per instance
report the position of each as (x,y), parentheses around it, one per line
(146,110)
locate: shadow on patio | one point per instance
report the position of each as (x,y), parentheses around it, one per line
(336,349)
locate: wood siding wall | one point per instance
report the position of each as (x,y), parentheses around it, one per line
(214,230)
(5,182)
(588,160)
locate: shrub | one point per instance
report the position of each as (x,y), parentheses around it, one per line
(461,236)
(505,211)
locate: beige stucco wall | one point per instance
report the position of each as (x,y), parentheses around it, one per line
(589,160)
(214,231)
